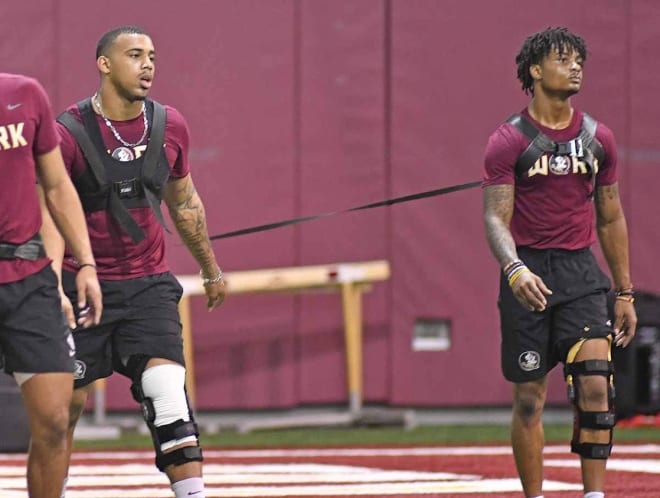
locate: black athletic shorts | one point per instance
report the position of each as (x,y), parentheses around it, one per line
(140,317)
(535,342)
(34,335)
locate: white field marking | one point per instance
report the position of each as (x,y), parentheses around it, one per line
(347,452)
(381,489)
(649,466)
(245,474)
(278,480)
(301,479)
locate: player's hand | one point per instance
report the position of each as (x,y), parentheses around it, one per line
(625,322)
(90,299)
(215,294)
(67,309)
(531,291)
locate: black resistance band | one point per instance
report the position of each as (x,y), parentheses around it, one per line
(387,202)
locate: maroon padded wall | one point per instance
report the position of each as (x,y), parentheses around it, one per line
(299,107)
(341,165)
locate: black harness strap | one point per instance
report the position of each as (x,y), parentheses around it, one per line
(95,164)
(540,143)
(588,136)
(31,250)
(86,146)
(109,195)
(151,159)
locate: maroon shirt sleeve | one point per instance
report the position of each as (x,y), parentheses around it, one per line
(607,172)
(502,151)
(68,146)
(177,143)
(46,137)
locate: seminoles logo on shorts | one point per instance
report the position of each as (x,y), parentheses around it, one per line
(529,360)
(79,369)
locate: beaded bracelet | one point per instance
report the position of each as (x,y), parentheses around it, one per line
(211,281)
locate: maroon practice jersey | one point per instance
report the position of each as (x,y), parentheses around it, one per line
(117,256)
(27,130)
(552,205)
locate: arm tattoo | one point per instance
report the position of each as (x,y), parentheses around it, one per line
(609,192)
(187,213)
(498,209)
(607,204)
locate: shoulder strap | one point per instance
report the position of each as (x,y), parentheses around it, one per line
(156,139)
(588,136)
(85,143)
(152,157)
(539,143)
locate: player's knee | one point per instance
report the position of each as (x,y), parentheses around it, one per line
(50,428)
(528,411)
(591,391)
(162,396)
(528,403)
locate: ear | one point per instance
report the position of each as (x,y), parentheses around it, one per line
(103,64)
(535,71)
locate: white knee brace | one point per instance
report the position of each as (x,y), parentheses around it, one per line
(164,385)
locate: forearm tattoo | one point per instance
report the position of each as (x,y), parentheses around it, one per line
(189,217)
(498,209)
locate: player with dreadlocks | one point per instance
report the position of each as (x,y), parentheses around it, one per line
(550,186)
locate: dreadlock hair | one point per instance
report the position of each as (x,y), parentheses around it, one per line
(539,45)
(109,38)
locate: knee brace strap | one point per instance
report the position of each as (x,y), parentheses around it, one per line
(172,432)
(179,457)
(595,451)
(599,420)
(589,367)
(177,430)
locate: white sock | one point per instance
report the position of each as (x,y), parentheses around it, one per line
(192,487)
(594,494)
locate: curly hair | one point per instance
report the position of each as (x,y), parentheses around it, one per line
(109,38)
(541,44)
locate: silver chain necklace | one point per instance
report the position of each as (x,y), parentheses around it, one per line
(97,102)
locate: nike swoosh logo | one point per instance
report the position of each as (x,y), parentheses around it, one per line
(11,107)
(190,493)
